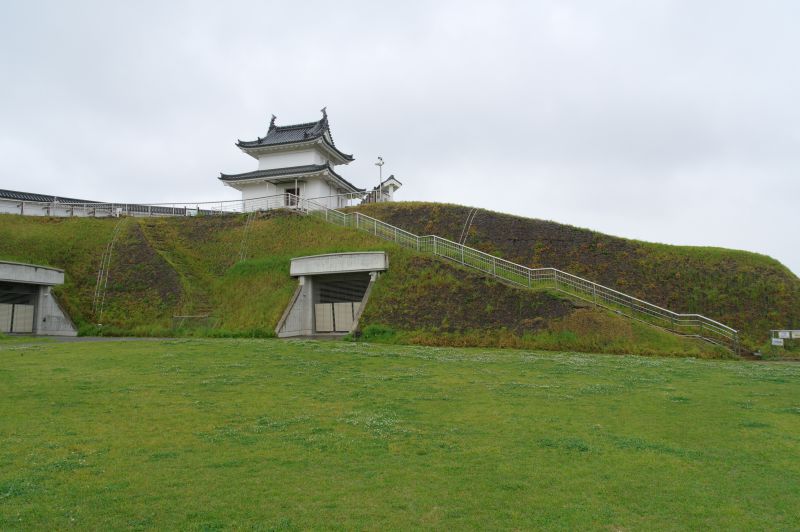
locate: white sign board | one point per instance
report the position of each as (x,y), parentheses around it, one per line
(784,334)
(777,341)
(795,334)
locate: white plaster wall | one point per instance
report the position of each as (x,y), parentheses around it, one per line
(309,188)
(287,159)
(8,206)
(34,209)
(316,188)
(321,191)
(259,189)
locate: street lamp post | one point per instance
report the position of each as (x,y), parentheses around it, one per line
(379,188)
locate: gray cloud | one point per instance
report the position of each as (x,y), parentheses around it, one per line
(669,121)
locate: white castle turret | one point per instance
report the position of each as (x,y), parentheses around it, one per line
(297,160)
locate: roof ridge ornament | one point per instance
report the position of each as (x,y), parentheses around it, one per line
(288,135)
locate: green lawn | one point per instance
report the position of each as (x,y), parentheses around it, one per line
(275,435)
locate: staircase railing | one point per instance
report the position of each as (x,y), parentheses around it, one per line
(695,325)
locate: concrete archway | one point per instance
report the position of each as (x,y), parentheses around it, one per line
(331,293)
(27,304)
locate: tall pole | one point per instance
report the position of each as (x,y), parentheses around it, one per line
(379,188)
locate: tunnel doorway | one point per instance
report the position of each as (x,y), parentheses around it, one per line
(17,304)
(332,292)
(337,300)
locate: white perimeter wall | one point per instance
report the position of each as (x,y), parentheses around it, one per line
(8,206)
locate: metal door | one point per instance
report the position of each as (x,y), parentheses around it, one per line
(343,316)
(323,317)
(6,311)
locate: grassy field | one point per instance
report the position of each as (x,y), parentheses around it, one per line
(274,435)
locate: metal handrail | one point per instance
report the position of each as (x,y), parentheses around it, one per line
(691,324)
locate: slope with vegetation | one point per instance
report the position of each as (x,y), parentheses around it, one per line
(748,291)
(167,273)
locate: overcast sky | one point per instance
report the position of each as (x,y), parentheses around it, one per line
(665,121)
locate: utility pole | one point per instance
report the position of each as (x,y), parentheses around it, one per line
(379,189)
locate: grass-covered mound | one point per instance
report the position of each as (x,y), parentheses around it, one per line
(72,244)
(744,290)
(168,267)
(274,435)
(163,267)
(423,300)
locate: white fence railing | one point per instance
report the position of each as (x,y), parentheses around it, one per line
(206,208)
(501,269)
(106,210)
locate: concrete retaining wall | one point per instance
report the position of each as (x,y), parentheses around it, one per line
(16,272)
(372,261)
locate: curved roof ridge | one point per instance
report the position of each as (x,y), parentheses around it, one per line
(296,126)
(297,133)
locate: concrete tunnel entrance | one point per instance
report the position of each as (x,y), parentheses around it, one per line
(337,300)
(331,293)
(27,303)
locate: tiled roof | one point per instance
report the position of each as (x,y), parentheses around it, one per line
(290,171)
(28,196)
(390,178)
(294,134)
(288,134)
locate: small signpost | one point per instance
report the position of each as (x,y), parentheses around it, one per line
(779,337)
